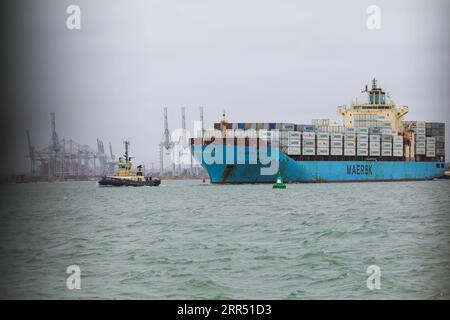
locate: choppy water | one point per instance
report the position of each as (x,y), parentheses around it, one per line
(188,240)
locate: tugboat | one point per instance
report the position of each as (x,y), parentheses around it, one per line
(126,176)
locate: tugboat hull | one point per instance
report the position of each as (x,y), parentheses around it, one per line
(116,182)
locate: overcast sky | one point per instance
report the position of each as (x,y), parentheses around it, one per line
(262,61)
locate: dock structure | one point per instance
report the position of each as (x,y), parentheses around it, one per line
(65,159)
(175,157)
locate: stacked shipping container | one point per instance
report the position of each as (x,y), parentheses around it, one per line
(363,142)
(323,144)
(309,143)
(349,142)
(327,138)
(429,138)
(337,144)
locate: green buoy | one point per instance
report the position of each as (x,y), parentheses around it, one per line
(279,183)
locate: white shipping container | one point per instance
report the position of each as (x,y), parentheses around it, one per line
(309,151)
(239,133)
(386,131)
(363,130)
(397,139)
(374,138)
(420,150)
(309,143)
(229,133)
(284,142)
(349,152)
(386,153)
(288,127)
(398,146)
(309,135)
(336,144)
(362,152)
(270,139)
(375,145)
(324,122)
(349,137)
(275,134)
(250,133)
(337,136)
(323,143)
(420,137)
(363,145)
(294,134)
(323,151)
(386,138)
(333,123)
(323,136)
(398,153)
(385,124)
(420,144)
(263,134)
(363,137)
(350,130)
(374,152)
(294,150)
(349,144)
(336,151)
(431,140)
(386,145)
(420,131)
(431,154)
(420,124)
(294,143)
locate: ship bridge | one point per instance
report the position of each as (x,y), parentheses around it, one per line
(378,109)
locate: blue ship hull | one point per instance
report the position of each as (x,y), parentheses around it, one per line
(229,172)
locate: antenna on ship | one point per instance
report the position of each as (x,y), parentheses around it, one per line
(126,143)
(224,123)
(374,83)
(201,119)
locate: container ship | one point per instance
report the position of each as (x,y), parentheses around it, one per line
(372,143)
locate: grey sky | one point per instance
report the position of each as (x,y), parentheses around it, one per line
(262,61)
